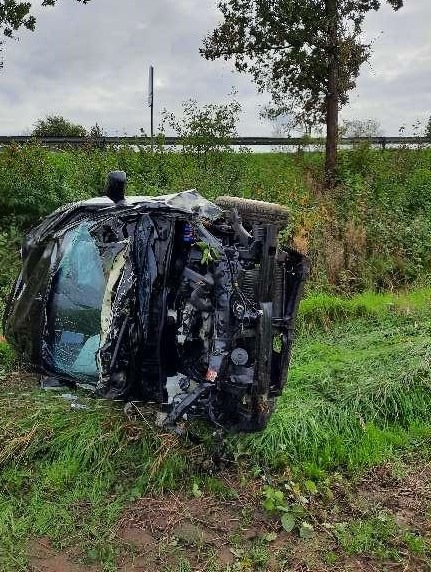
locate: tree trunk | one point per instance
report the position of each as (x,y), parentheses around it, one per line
(332,95)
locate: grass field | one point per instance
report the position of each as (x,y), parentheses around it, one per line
(339,480)
(344,464)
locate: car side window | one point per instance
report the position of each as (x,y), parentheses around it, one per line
(75,307)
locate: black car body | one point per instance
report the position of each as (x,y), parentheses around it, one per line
(167,299)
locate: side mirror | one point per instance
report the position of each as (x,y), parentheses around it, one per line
(115,187)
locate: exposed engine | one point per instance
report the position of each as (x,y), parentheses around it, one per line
(232,337)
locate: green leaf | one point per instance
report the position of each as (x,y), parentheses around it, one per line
(288,521)
(206,257)
(268,504)
(196,490)
(306,531)
(311,487)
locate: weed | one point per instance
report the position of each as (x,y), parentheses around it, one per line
(292,509)
(258,555)
(246,517)
(416,544)
(375,536)
(250,559)
(182,565)
(219,488)
(330,557)
(273,499)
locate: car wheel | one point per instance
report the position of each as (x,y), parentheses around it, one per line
(256,212)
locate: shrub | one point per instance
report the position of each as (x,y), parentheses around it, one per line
(57,126)
(371,232)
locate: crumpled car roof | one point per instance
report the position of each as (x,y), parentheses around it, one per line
(189,201)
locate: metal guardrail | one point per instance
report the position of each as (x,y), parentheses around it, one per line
(238,141)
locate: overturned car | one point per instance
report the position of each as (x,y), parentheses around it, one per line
(171,299)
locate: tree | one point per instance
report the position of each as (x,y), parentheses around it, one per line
(57,126)
(360,128)
(15,14)
(306,53)
(96,132)
(428,129)
(203,129)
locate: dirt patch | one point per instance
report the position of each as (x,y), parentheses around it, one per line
(138,537)
(44,558)
(182,532)
(407,497)
(238,532)
(19,381)
(136,565)
(225,556)
(199,530)
(212,517)
(193,521)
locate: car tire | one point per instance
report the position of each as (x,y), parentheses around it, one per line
(256,212)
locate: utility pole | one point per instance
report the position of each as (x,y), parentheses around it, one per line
(151,103)
(332,98)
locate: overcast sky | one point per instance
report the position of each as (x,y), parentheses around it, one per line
(90,64)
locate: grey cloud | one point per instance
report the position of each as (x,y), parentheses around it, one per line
(395,88)
(90,63)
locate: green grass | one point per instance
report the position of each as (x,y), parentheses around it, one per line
(358,389)
(68,474)
(323,309)
(7,358)
(373,536)
(380,537)
(358,394)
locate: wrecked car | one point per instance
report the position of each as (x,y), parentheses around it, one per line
(172,300)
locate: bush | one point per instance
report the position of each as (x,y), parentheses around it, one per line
(204,130)
(7,357)
(57,126)
(370,233)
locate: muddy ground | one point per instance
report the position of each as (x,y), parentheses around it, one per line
(382,522)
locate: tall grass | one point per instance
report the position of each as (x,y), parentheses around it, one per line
(358,389)
(68,474)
